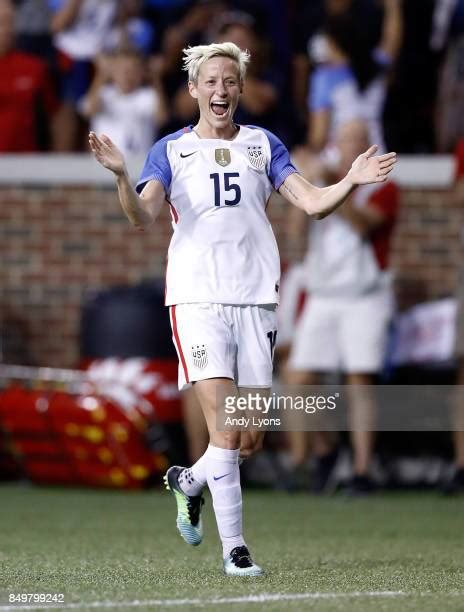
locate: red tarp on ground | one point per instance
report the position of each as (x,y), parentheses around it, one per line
(90,438)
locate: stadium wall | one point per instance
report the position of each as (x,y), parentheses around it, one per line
(63,235)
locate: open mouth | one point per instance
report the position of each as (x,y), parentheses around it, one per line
(219,108)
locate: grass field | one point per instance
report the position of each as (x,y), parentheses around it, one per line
(116,550)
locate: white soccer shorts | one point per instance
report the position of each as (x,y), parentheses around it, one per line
(224,341)
(342,334)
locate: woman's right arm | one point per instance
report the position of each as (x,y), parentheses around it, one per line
(141,210)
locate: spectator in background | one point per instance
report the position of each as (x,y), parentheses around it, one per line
(120,105)
(80,28)
(345,320)
(351,82)
(27,98)
(307,21)
(308,39)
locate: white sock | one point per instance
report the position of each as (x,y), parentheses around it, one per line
(192,480)
(223,476)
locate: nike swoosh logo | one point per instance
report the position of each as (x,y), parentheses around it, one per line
(219,477)
(188,154)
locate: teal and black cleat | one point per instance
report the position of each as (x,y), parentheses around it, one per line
(240,563)
(188,521)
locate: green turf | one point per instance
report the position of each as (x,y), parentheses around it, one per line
(103,545)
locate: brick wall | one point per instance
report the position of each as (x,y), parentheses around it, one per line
(56,243)
(427,246)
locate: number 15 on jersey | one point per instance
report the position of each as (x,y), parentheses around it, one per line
(224,186)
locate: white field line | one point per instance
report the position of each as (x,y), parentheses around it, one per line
(262,598)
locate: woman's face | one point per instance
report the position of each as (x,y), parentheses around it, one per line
(217,90)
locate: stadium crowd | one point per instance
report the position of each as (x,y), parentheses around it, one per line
(327,76)
(65,60)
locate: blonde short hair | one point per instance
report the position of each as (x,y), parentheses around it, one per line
(195,57)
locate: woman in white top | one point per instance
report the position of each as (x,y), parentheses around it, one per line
(351,83)
(119,103)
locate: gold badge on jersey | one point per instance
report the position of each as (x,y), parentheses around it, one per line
(222,156)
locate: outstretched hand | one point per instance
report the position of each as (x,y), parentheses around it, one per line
(369,169)
(107,153)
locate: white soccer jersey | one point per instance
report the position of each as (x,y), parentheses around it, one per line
(223,249)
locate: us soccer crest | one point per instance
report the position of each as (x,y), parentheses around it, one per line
(200,356)
(222,156)
(257,157)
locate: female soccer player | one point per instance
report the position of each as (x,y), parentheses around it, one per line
(222,284)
